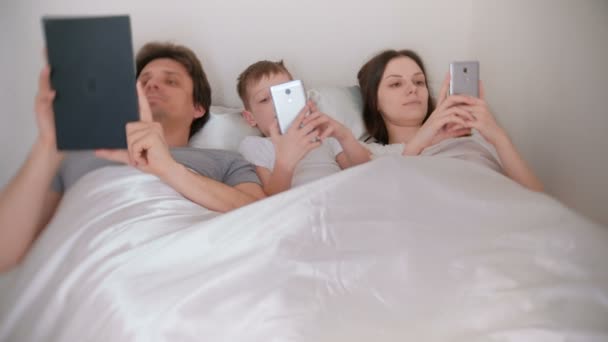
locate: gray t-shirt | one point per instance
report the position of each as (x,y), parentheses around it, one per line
(223,166)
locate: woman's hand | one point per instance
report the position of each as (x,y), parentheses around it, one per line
(484,122)
(448,120)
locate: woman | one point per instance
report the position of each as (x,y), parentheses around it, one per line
(401,117)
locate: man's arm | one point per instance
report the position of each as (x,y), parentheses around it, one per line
(148,151)
(27,204)
(210,193)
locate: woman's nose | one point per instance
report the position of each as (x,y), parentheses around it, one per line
(409,88)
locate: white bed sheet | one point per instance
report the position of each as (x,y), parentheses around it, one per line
(416,249)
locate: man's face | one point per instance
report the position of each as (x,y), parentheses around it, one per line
(260,111)
(168,88)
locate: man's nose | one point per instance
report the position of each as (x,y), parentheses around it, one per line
(151,84)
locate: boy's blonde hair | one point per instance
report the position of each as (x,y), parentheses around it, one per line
(254,73)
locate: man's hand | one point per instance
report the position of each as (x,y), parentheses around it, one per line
(45,116)
(147,149)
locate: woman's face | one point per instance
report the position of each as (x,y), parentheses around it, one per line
(402,93)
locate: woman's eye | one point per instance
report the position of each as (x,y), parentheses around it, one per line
(420,83)
(264,100)
(395,85)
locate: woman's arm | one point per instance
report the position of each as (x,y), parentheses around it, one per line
(515,166)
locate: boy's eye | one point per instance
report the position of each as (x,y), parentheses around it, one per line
(264,100)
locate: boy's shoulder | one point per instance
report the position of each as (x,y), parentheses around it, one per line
(255,141)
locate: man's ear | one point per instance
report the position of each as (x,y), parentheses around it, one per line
(249,118)
(199,111)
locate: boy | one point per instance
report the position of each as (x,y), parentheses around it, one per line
(313,147)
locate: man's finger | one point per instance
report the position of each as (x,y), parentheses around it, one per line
(145,114)
(44,81)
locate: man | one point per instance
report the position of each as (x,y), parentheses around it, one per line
(174,98)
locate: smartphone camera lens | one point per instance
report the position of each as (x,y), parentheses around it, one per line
(287,91)
(465,70)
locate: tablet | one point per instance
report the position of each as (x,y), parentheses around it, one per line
(93,75)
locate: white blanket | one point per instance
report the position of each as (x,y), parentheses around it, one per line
(416,249)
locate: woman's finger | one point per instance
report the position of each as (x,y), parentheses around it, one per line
(443,92)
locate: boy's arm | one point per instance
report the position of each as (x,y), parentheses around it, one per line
(275,181)
(289,149)
(353,153)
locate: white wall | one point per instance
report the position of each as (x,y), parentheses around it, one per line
(325,42)
(545,65)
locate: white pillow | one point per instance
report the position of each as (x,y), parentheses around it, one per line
(344,104)
(226,127)
(225,130)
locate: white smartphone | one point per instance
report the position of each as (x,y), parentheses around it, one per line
(464,78)
(289,99)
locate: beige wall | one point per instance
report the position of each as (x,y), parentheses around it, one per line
(545,65)
(542,63)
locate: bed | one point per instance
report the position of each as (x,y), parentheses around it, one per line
(398,249)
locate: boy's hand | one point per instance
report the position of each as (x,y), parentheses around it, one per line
(327,126)
(295,144)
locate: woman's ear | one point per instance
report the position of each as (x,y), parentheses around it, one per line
(199,111)
(249,118)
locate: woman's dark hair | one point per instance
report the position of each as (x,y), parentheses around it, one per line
(369,77)
(201,91)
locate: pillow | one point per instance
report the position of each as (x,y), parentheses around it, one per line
(225,130)
(226,127)
(344,104)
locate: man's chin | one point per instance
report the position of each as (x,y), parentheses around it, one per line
(158,114)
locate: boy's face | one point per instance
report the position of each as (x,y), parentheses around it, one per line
(260,111)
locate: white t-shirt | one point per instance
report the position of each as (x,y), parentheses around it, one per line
(473,148)
(318,163)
